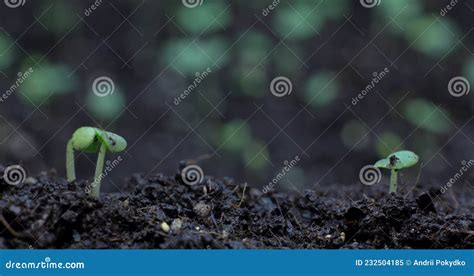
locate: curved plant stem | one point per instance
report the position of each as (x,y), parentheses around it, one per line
(70,170)
(393,181)
(98,171)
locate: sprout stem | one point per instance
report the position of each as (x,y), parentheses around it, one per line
(70,170)
(98,171)
(393,181)
(89,139)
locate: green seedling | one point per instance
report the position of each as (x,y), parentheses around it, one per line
(395,162)
(91,139)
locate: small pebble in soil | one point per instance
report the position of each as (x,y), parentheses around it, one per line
(125,203)
(30,181)
(165,227)
(176,225)
(15,209)
(202,209)
(76,236)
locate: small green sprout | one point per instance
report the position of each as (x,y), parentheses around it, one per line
(395,162)
(91,139)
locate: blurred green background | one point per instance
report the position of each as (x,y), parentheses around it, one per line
(225,55)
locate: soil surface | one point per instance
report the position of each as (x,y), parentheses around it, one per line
(163,212)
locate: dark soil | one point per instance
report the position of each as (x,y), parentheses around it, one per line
(49,212)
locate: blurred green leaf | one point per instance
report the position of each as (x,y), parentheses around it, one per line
(297,21)
(59,17)
(7,51)
(432,36)
(107,107)
(235,135)
(210,17)
(321,89)
(468,71)
(190,57)
(253,48)
(402,12)
(49,80)
(426,115)
(253,85)
(305,18)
